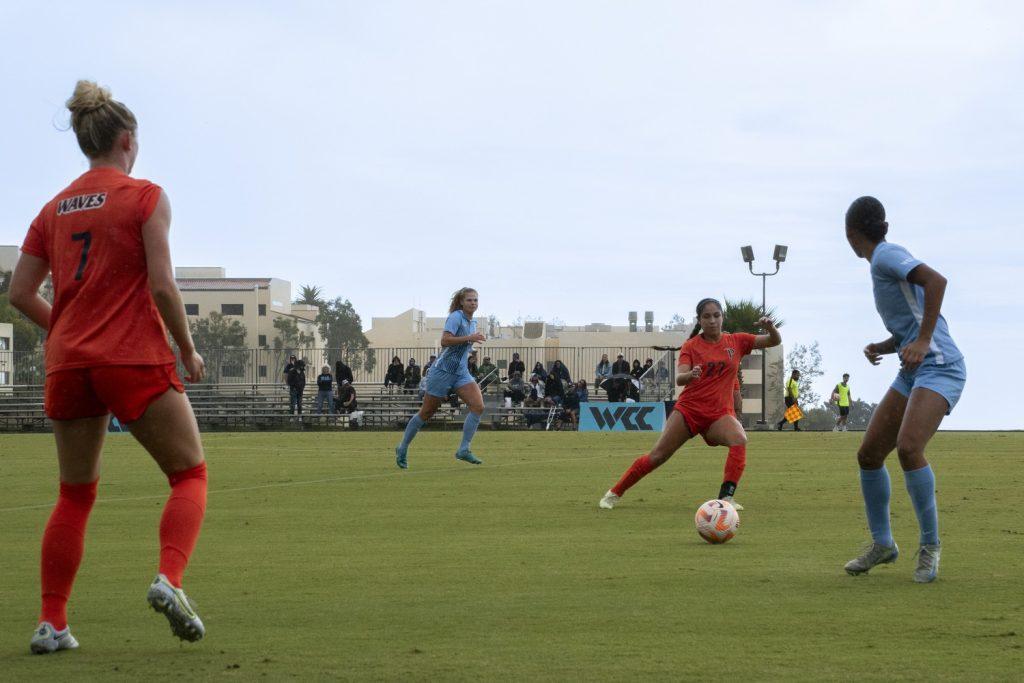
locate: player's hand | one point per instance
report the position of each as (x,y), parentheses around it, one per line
(872,355)
(477,337)
(914,352)
(195,367)
(694,372)
(766,323)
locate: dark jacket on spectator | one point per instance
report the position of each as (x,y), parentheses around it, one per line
(620,367)
(342,371)
(561,371)
(395,375)
(324,381)
(412,376)
(296,375)
(538,369)
(516,366)
(553,387)
(346,393)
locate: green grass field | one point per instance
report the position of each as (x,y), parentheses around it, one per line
(319,559)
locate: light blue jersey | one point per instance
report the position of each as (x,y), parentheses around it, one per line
(901,304)
(454,359)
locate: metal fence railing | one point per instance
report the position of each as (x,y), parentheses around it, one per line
(262,366)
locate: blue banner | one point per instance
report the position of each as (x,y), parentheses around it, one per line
(622,417)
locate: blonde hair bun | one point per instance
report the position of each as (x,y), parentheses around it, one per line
(87,97)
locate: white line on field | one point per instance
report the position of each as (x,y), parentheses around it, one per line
(327,480)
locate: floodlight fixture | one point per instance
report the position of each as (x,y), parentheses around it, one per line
(780,253)
(748,253)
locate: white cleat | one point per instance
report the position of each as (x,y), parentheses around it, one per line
(608,501)
(175,605)
(46,639)
(733,502)
(872,556)
(927,563)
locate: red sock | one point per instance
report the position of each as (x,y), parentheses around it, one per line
(637,471)
(181,521)
(735,464)
(63,545)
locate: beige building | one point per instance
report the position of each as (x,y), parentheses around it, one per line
(255,302)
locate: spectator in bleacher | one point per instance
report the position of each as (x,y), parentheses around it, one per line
(661,375)
(536,386)
(539,371)
(648,364)
(637,369)
(471,364)
(395,376)
(602,372)
(430,363)
(620,366)
(571,405)
(487,374)
(346,397)
(324,382)
(563,372)
(342,371)
(583,390)
(553,389)
(535,412)
(295,378)
(412,375)
(517,389)
(516,365)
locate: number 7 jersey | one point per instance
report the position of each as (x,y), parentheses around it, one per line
(91,235)
(712,392)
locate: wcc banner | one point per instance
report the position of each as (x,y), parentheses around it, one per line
(622,417)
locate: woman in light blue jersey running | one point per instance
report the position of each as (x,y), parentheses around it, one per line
(450,371)
(908,296)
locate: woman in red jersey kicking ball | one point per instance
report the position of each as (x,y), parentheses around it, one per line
(707,367)
(103,239)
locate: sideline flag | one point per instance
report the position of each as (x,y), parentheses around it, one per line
(793,413)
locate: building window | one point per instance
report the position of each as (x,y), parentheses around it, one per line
(263,371)
(263,309)
(5,378)
(191,309)
(232,309)
(262,341)
(5,343)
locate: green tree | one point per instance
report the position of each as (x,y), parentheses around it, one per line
(289,337)
(342,330)
(806,359)
(310,295)
(823,416)
(221,341)
(742,316)
(676,324)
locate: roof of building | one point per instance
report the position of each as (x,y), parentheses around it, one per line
(226,283)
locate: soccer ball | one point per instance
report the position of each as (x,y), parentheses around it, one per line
(717,521)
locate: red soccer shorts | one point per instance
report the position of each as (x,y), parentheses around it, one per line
(124,390)
(698,422)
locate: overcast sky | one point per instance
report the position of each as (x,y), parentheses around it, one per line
(569,159)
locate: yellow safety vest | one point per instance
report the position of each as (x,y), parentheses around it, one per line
(793,389)
(844,395)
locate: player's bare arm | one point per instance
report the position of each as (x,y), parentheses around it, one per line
(934,286)
(874,352)
(766,341)
(29,274)
(449,339)
(686,374)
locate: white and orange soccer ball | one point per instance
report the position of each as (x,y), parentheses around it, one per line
(717,521)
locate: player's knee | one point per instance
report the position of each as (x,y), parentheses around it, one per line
(909,451)
(739,440)
(869,460)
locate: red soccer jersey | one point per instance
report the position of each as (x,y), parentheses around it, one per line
(720,361)
(91,235)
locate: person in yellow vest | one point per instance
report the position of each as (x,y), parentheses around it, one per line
(792,394)
(841,396)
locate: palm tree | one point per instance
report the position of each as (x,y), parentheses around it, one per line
(742,316)
(310,295)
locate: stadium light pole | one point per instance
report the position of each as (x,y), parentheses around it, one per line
(748,258)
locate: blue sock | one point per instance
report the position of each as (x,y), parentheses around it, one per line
(874,484)
(921,487)
(411,429)
(468,430)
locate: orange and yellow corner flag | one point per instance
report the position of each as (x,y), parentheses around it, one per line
(793,413)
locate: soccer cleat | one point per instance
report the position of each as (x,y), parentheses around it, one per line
(733,503)
(874,555)
(927,563)
(46,639)
(400,460)
(608,501)
(467,456)
(836,428)
(175,605)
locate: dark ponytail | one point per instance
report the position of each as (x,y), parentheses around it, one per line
(866,215)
